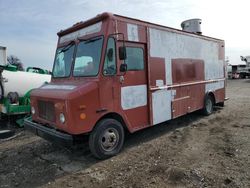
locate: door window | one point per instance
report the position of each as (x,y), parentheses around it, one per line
(135,59)
(109,67)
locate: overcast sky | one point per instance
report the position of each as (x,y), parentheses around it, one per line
(28,27)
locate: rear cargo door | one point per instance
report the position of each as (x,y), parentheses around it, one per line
(134,87)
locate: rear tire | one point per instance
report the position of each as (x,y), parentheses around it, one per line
(107,138)
(208,105)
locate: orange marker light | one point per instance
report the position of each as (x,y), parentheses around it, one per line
(83,116)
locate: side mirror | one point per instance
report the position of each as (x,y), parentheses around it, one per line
(123,67)
(110,54)
(122,53)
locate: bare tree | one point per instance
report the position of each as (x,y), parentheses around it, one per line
(14,60)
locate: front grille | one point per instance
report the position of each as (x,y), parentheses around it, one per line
(46,110)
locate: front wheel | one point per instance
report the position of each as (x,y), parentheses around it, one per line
(107,138)
(208,105)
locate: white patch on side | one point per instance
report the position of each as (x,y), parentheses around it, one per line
(159,83)
(161,102)
(95,28)
(170,45)
(132,32)
(61,87)
(214,86)
(133,96)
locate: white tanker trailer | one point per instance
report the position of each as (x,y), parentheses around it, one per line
(21,82)
(15,86)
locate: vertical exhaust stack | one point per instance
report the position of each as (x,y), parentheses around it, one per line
(3,56)
(192,26)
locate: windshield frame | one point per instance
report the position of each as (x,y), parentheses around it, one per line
(75,44)
(70,44)
(101,56)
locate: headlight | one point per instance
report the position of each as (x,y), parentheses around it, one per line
(33,111)
(62,118)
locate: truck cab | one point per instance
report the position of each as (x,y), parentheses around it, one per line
(85,89)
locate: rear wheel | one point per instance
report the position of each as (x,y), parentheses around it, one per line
(208,105)
(107,138)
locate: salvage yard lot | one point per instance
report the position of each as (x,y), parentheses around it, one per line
(191,151)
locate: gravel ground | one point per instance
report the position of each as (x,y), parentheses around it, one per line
(191,151)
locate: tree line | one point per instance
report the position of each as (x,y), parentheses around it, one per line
(14,60)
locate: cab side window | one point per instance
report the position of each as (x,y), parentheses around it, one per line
(109,67)
(135,59)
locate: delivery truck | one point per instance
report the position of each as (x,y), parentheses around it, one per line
(113,74)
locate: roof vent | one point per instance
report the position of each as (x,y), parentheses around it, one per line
(192,25)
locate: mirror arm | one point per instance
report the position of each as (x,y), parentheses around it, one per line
(123,42)
(123,38)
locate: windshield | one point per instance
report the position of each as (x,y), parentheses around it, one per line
(63,61)
(88,57)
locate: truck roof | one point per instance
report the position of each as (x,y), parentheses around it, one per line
(106,15)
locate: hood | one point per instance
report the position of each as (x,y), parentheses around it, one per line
(64,90)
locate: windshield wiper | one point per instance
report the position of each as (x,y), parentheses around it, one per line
(66,48)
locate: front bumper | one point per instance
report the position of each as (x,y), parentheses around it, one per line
(49,134)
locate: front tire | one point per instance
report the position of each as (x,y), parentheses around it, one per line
(107,138)
(208,105)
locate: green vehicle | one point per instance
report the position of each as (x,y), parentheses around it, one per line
(15,87)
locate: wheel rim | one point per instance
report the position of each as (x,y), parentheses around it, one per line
(209,105)
(109,139)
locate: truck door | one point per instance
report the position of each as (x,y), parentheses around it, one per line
(134,86)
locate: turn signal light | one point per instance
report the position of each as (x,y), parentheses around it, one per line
(83,116)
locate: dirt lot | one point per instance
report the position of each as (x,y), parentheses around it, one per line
(191,151)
